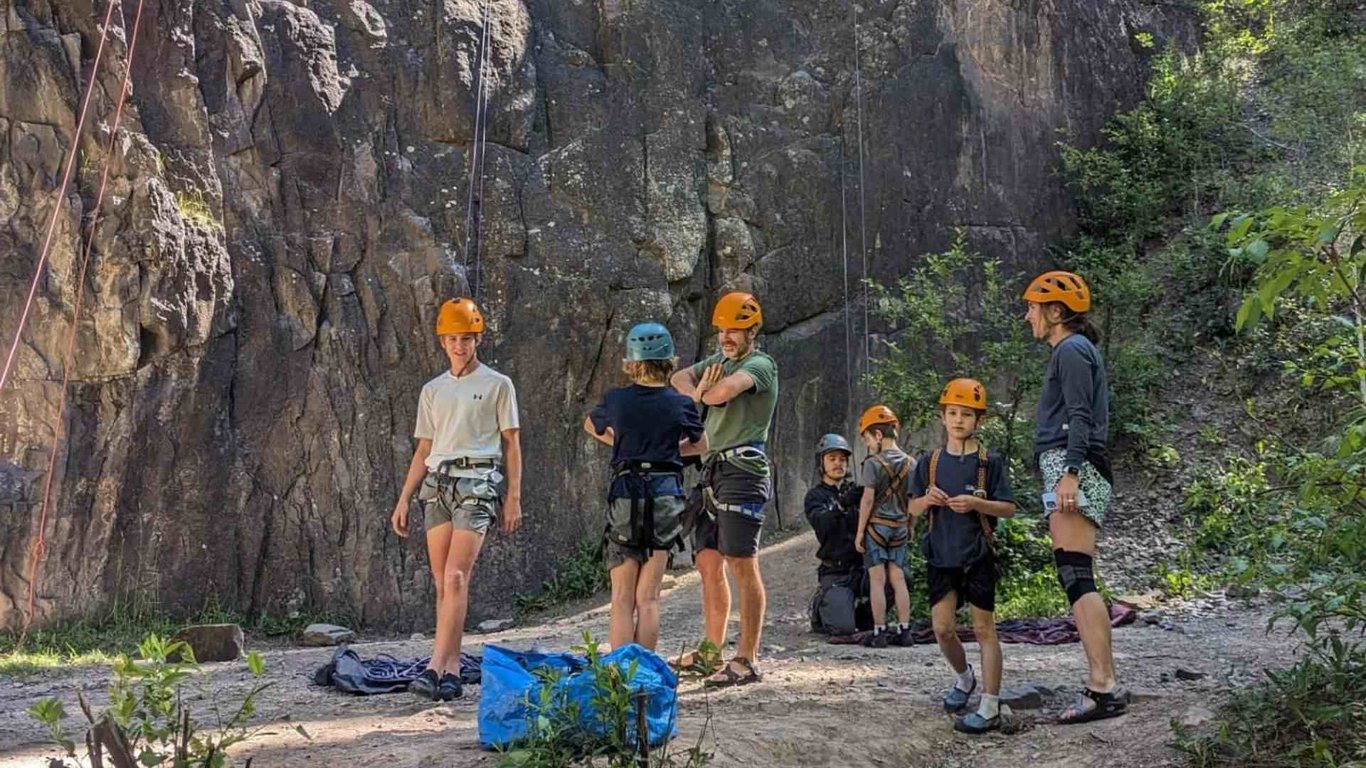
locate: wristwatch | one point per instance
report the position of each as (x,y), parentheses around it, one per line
(1072,469)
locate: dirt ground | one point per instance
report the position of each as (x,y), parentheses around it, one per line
(819,705)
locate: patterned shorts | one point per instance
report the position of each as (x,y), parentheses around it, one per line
(1092,483)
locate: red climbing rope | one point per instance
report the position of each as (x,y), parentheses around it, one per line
(57,198)
(40,542)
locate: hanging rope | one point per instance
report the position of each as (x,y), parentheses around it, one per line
(478,141)
(483,149)
(57,198)
(848,322)
(862,209)
(39,549)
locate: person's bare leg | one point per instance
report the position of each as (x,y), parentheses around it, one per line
(450,628)
(984,626)
(621,622)
(711,566)
(1074,533)
(901,593)
(944,617)
(438,547)
(877,593)
(647,599)
(753,603)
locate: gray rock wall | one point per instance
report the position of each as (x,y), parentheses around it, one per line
(287,208)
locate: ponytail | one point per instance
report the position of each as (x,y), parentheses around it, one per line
(1076,322)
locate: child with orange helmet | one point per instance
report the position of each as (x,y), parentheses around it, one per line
(467,472)
(964,488)
(883,525)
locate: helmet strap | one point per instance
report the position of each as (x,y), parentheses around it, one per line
(474,361)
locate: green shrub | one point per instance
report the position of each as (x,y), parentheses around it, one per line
(148,722)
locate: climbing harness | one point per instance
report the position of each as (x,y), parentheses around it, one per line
(896,487)
(449,466)
(753,452)
(979,490)
(638,530)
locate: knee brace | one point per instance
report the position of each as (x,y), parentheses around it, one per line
(1076,573)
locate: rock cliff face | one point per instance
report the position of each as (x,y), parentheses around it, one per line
(288,206)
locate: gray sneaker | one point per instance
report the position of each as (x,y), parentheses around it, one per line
(956,699)
(974,723)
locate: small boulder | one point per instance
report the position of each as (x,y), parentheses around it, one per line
(1143,602)
(1195,716)
(213,642)
(495,625)
(1024,696)
(326,634)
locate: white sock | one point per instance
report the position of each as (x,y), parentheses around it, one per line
(879,629)
(965,680)
(905,627)
(990,707)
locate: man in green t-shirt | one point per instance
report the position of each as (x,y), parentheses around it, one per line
(739,386)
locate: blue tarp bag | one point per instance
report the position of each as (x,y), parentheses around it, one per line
(512,690)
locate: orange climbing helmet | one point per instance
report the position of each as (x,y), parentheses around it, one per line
(877,415)
(1064,287)
(968,393)
(459,316)
(737,310)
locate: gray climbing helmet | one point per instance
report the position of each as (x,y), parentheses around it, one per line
(649,341)
(832,442)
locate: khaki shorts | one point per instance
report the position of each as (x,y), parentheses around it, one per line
(468,503)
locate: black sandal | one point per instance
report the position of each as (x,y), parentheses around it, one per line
(1112,704)
(728,677)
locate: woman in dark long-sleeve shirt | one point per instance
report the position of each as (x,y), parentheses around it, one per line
(1070,443)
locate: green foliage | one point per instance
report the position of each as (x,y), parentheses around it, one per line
(1260,124)
(148,718)
(1030,594)
(1293,517)
(99,640)
(956,315)
(1170,154)
(580,575)
(1307,715)
(561,733)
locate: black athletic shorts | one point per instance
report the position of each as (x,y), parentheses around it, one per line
(732,533)
(975,584)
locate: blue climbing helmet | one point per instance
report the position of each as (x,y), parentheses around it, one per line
(649,341)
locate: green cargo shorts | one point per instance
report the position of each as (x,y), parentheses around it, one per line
(468,503)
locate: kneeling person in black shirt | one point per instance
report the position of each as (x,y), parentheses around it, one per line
(831,507)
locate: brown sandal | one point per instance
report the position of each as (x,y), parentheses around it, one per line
(728,677)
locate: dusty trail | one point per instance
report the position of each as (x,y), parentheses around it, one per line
(819,705)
